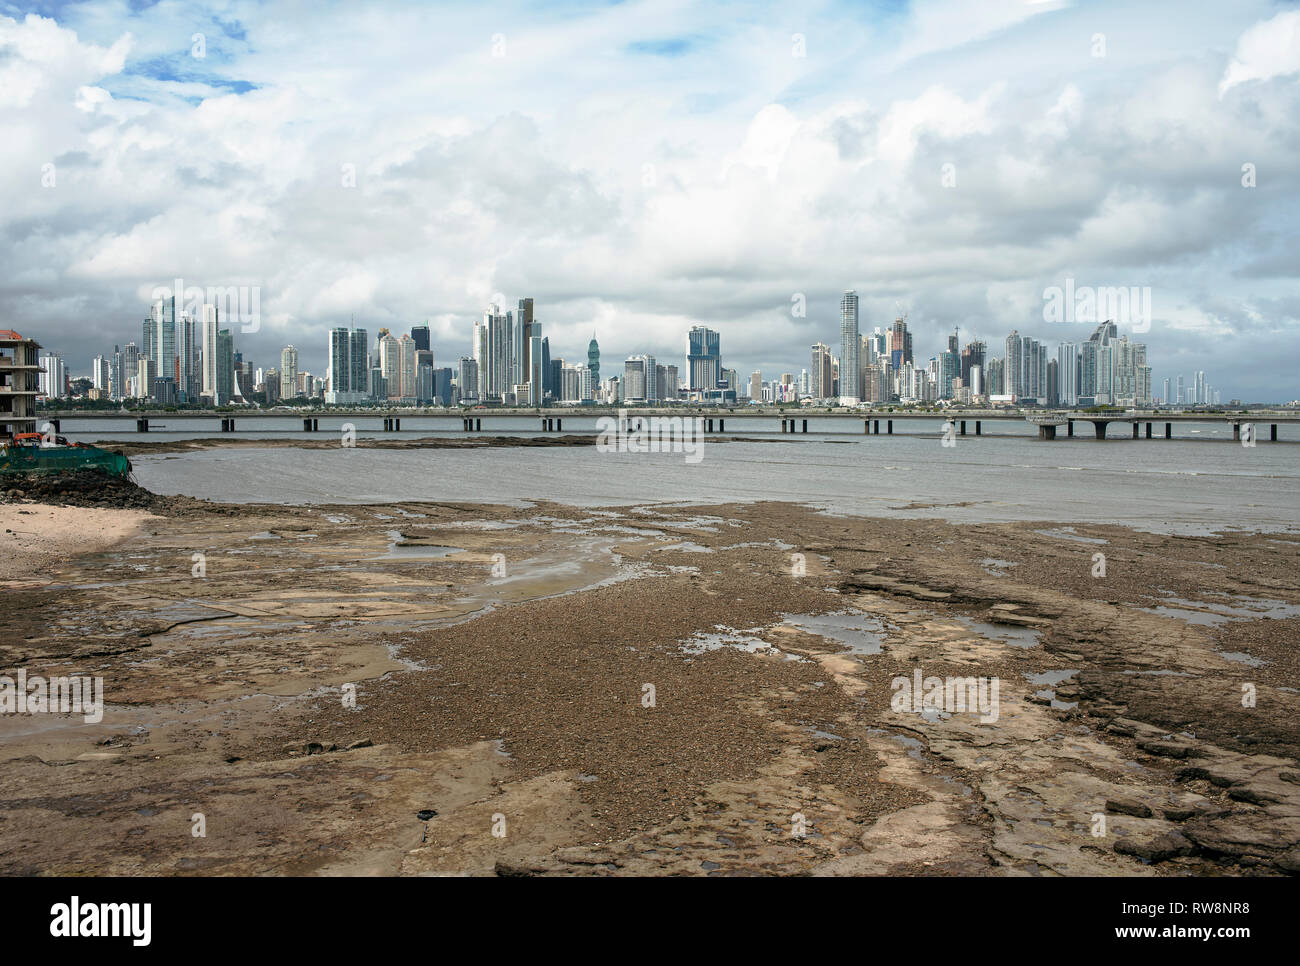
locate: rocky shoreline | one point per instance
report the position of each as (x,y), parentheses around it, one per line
(653,690)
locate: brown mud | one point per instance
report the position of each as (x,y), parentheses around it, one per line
(652,690)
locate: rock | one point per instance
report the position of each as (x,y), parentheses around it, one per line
(425,814)
(512,869)
(1255,795)
(1128,806)
(1289,861)
(360,743)
(1165,846)
(1170,749)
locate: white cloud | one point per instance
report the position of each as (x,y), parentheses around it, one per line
(524,175)
(1270,48)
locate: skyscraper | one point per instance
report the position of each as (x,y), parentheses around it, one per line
(163,350)
(1012,366)
(420,334)
(703,358)
(187,378)
(537,363)
(349,369)
(849,349)
(635,376)
(523,329)
(223,387)
(900,344)
(208,340)
(1067,367)
(821,382)
(288,372)
(593,360)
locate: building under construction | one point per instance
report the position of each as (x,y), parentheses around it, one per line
(19,372)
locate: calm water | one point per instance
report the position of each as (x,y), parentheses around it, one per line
(1187,486)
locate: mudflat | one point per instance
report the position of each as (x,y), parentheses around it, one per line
(427,688)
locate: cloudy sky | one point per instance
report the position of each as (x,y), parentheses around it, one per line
(640,167)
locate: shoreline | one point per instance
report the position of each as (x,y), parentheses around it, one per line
(522,695)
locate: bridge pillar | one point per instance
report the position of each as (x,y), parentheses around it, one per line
(1100,426)
(1272,433)
(1169,430)
(1148,430)
(963,427)
(890,427)
(805,426)
(1047,431)
(478,425)
(1069,425)
(722,425)
(866,426)
(559,424)
(977,427)
(876,430)
(1135,430)
(306,425)
(1236,432)
(142,425)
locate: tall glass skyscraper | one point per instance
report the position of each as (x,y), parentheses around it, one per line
(593,360)
(850,392)
(704,358)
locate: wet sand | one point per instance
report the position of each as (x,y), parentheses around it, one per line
(499,658)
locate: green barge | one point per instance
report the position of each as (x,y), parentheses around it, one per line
(29,453)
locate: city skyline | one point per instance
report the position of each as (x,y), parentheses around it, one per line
(1004,150)
(511,363)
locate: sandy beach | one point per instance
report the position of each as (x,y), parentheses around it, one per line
(647,690)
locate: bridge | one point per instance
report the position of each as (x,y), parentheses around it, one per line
(715,420)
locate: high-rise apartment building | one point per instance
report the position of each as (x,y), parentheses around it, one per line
(288,372)
(703,358)
(1013,366)
(821,382)
(850,393)
(349,366)
(54,377)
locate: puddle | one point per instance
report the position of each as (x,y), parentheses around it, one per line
(1214,612)
(1242,657)
(402,548)
(1203,618)
(1067,533)
(860,633)
(1012,634)
(723,636)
